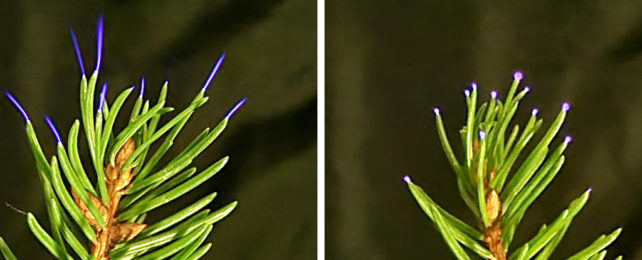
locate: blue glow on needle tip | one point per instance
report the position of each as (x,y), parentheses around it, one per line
(99,41)
(482,135)
(216,68)
(238,105)
(78,52)
(18,106)
(142,87)
(103,96)
(53,128)
(407,179)
(566,106)
(436,110)
(518,75)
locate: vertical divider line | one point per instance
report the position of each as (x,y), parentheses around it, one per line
(321,129)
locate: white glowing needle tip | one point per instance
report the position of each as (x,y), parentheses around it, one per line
(518,75)
(566,106)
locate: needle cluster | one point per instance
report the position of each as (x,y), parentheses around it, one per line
(497,189)
(106,218)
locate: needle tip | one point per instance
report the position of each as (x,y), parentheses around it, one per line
(103,96)
(216,68)
(17,104)
(53,128)
(100,29)
(482,135)
(238,105)
(518,75)
(436,110)
(142,87)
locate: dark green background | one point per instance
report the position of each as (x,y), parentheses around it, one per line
(271,59)
(390,62)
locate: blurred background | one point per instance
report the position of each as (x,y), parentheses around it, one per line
(271,59)
(390,62)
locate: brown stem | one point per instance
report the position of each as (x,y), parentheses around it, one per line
(114,231)
(493,233)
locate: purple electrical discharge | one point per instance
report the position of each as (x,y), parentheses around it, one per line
(99,42)
(74,39)
(407,179)
(103,96)
(142,87)
(518,75)
(18,106)
(53,128)
(482,135)
(238,105)
(217,66)
(566,106)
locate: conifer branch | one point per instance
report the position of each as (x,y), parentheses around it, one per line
(107,219)
(498,193)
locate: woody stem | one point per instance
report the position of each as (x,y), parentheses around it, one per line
(118,180)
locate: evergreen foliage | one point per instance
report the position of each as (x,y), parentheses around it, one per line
(106,219)
(497,190)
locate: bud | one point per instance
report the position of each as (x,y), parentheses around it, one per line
(493,206)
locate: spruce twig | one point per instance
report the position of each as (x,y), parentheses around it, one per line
(107,219)
(498,193)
